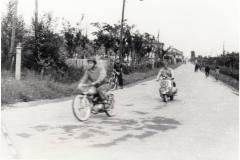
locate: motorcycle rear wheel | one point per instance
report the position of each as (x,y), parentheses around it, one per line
(164,98)
(110,111)
(81,108)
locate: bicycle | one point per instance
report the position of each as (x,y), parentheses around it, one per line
(113,81)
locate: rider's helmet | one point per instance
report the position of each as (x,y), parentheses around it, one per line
(92,59)
(117,60)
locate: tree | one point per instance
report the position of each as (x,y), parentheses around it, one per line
(50,43)
(137,43)
(75,41)
(106,35)
(6,34)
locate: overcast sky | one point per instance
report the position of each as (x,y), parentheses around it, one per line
(200,25)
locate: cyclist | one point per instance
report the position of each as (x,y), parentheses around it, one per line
(94,76)
(118,69)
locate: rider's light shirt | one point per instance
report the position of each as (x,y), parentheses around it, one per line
(165,72)
(97,74)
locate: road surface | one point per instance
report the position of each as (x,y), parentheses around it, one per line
(200,124)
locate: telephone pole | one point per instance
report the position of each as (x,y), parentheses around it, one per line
(12,45)
(121,34)
(223,47)
(36,27)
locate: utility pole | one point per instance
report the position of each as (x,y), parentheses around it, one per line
(223,47)
(36,27)
(12,45)
(121,34)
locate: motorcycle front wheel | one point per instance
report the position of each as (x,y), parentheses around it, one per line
(81,108)
(113,84)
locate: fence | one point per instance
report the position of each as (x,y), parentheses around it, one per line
(82,63)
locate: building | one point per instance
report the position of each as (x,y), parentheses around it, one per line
(174,55)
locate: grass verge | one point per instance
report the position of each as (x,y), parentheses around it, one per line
(227,80)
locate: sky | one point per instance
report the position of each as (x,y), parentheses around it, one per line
(199,25)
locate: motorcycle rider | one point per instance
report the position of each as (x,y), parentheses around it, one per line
(94,75)
(165,71)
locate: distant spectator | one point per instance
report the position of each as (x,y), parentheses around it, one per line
(118,68)
(217,70)
(196,67)
(207,70)
(200,66)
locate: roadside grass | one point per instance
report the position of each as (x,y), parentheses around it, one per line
(227,80)
(31,87)
(232,81)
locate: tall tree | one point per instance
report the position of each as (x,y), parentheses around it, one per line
(48,55)
(10,36)
(75,41)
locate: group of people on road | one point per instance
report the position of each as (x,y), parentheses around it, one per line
(207,70)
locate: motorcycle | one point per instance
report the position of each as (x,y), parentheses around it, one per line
(166,89)
(88,101)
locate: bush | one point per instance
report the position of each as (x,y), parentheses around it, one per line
(70,75)
(140,67)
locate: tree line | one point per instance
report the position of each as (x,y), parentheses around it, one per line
(49,50)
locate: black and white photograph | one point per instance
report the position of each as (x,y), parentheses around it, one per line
(120,79)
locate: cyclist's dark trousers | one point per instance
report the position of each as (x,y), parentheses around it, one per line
(120,80)
(101,94)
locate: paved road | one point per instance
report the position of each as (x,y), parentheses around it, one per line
(201,124)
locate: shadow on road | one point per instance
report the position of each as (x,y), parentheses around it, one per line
(103,128)
(138,129)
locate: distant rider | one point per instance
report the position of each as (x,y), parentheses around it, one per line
(95,76)
(207,70)
(165,71)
